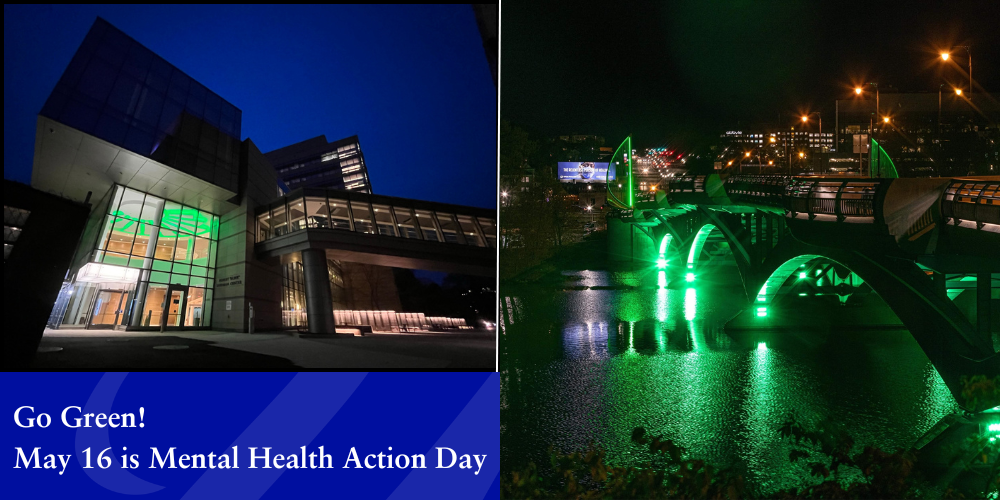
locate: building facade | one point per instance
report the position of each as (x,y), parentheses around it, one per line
(318,163)
(926,133)
(172,239)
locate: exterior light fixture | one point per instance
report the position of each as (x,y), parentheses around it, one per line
(857,90)
(945,56)
(689,277)
(958,91)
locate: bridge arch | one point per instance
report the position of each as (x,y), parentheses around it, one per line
(697,243)
(938,326)
(664,249)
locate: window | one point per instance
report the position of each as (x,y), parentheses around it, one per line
(362,217)
(427,227)
(317,214)
(448,227)
(406,222)
(383,218)
(340,216)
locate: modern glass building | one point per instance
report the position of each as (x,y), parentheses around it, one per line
(317,163)
(189,225)
(152,265)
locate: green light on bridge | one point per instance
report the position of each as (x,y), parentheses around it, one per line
(993,431)
(662,263)
(689,277)
(690,304)
(761,346)
(803,294)
(802,276)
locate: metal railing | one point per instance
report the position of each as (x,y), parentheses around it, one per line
(757,189)
(839,197)
(972,200)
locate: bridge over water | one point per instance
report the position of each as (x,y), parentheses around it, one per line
(929,248)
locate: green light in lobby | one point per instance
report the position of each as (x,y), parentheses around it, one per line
(803,294)
(819,282)
(689,277)
(662,263)
(761,312)
(761,346)
(802,276)
(189,221)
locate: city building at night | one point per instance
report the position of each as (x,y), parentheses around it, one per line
(318,163)
(189,229)
(926,133)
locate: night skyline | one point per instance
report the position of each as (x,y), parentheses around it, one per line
(681,73)
(407,80)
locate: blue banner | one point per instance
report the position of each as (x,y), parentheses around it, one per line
(251,435)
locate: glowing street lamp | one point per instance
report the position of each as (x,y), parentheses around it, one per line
(805,119)
(958,91)
(885,119)
(945,56)
(857,90)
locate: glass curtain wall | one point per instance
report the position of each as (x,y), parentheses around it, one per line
(363,216)
(293,296)
(171,246)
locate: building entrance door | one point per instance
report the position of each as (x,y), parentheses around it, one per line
(107,309)
(173,310)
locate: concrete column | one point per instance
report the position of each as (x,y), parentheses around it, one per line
(940,281)
(619,240)
(758,245)
(983,305)
(319,302)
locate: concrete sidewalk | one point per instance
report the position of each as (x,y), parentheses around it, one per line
(212,350)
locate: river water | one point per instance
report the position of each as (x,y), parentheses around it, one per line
(588,360)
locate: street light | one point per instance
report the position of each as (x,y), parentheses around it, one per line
(958,91)
(885,119)
(805,119)
(968,50)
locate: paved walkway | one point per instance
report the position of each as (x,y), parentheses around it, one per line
(210,350)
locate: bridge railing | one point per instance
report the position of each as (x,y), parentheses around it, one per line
(386,216)
(757,189)
(838,197)
(687,184)
(972,200)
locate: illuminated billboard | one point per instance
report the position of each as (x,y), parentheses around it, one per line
(584,171)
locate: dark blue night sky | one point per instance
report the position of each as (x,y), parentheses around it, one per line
(412,82)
